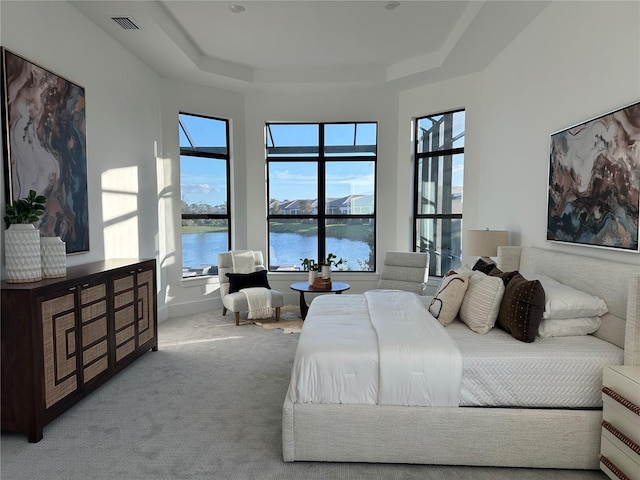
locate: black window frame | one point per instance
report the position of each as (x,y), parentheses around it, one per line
(277,154)
(218,153)
(448,154)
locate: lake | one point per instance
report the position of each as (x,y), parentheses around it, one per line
(200,249)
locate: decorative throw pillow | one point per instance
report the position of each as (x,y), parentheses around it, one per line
(563,301)
(481,302)
(482,266)
(569,327)
(505,276)
(446,303)
(521,308)
(238,281)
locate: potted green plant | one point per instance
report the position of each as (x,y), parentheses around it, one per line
(27,210)
(329,262)
(311,266)
(22,239)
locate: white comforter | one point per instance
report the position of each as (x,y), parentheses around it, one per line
(382,347)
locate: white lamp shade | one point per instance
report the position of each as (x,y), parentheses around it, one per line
(485,243)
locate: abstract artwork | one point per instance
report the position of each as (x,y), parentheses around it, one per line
(44,135)
(594,182)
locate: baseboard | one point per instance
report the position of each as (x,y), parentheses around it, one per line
(191,308)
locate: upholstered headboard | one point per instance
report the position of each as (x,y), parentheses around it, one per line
(618,284)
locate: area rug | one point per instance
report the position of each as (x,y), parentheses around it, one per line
(290,321)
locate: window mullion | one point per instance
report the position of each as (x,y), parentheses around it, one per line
(322,189)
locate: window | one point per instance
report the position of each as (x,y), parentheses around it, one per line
(439,168)
(321,181)
(204,187)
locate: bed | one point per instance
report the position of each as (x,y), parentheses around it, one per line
(536,435)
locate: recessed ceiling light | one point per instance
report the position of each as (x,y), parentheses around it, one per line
(391,5)
(235,8)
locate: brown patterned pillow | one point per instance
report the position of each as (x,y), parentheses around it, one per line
(505,276)
(522,308)
(482,266)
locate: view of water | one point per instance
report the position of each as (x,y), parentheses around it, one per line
(286,249)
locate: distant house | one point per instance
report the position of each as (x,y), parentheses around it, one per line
(351,204)
(298,207)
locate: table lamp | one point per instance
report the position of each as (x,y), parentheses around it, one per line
(485,243)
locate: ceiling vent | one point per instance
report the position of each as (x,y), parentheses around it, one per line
(126,23)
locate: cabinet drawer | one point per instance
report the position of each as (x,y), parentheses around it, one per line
(621,418)
(617,461)
(625,381)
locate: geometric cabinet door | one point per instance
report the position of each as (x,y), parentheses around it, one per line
(134,311)
(59,347)
(64,347)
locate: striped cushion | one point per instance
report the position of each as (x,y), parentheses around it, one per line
(481,303)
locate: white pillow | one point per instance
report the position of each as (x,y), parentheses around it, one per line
(568,327)
(446,303)
(481,302)
(563,301)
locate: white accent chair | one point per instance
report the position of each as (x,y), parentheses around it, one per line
(405,271)
(237,302)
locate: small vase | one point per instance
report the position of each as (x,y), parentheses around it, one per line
(22,253)
(326,271)
(54,257)
(312,276)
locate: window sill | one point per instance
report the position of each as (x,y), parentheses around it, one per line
(200,280)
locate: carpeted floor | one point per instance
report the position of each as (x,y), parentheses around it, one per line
(207,405)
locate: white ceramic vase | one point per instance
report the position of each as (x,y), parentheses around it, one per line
(54,257)
(326,271)
(313,274)
(22,253)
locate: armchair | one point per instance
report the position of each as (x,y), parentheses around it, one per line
(405,271)
(237,302)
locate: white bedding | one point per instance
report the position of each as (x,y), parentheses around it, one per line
(554,372)
(346,356)
(398,355)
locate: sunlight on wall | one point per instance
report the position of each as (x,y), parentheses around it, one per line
(166,228)
(120,212)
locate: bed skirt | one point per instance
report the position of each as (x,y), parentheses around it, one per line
(503,437)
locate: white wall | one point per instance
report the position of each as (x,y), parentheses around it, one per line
(122,117)
(576,61)
(196,294)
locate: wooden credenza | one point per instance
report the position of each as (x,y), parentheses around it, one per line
(62,338)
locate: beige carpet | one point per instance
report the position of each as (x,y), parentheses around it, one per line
(290,321)
(206,406)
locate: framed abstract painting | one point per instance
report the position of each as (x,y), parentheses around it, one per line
(594,182)
(44,135)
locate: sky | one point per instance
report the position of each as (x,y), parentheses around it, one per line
(204,181)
